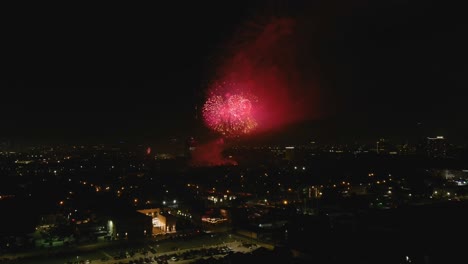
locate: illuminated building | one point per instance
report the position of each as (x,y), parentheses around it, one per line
(162,222)
(436,147)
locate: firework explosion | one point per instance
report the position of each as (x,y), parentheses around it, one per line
(229,115)
(260,86)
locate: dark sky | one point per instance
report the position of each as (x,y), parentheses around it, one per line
(109,73)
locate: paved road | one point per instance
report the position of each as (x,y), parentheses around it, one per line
(96,252)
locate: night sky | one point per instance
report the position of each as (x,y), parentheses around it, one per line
(390,69)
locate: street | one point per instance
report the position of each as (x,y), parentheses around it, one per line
(126,251)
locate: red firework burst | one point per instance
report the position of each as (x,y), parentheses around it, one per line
(230,115)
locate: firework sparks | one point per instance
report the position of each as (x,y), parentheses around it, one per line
(229,115)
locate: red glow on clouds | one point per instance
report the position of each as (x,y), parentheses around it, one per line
(210,154)
(261,87)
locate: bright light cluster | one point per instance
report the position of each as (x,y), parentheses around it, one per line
(230,115)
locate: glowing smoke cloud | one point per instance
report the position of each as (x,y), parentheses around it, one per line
(260,86)
(210,154)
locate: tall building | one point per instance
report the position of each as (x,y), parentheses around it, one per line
(385,147)
(289,153)
(190,146)
(436,147)
(381,146)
